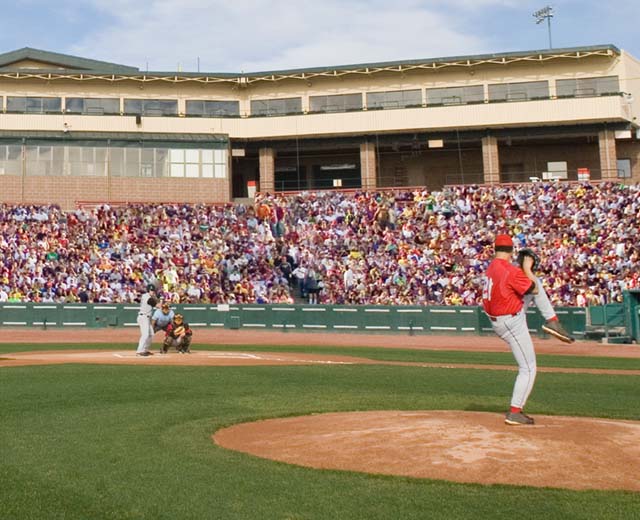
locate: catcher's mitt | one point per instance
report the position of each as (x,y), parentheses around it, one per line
(523,253)
(178,331)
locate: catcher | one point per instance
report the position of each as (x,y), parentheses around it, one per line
(178,335)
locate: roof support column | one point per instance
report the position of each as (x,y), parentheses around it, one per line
(267,159)
(490,160)
(368,166)
(608,154)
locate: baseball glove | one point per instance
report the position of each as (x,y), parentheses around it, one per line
(178,331)
(526,252)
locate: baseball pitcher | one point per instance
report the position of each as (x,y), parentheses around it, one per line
(508,291)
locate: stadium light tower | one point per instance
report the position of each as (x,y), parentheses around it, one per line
(540,16)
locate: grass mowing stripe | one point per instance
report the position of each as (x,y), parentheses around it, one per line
(379,354)
(136,441)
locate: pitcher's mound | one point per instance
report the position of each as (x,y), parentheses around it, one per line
(562,452)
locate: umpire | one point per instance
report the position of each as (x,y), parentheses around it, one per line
(161,318)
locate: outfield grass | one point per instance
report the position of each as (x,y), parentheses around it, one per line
(134,442)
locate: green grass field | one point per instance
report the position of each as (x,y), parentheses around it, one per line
(134,442)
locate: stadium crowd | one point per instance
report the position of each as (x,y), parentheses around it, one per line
(405,248)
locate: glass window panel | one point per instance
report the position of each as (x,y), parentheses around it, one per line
(31,153)
(101,155)
(133,106)
(584,87)
(213,108)
(608,85)
(220,171)
(176,155)
(259,107)
(192,156)
(352,101)
(105,106)
(498,92)
(14,152)
(293,105)
(99,106)
(147,154)
(394,99)
(74,153)
(87,154)
(74,105)
(177,170)
(34,105)
(455,95)
(116,159)
(16,104)
(159,107)
(11,160)
(220,156)
(207,156)
(195,108)
(192,170)
(207,170)
(52,104)
(272,107)
(132,162)
(337,103)
(519,91)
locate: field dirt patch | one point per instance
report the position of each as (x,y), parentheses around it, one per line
(196,358)
(474,447)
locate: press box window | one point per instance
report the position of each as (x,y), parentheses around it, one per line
(213,108)
(455,95)
(92,106)
(587,87)
(336,103)
(525,91)
(394,99)
(151,107)
(276,107)
(34,105)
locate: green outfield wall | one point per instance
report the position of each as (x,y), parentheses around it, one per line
(325,318)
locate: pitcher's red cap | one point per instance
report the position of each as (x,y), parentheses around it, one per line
(504,240)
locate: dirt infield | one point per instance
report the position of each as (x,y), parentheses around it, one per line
(562,452)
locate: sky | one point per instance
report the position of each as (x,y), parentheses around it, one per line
(261,35)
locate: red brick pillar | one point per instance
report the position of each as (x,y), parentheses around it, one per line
(267,158)
(490,160)
(608,154)
(368,166)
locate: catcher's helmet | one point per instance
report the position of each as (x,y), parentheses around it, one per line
(178,318)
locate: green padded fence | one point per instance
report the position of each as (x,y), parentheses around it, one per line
(328,318)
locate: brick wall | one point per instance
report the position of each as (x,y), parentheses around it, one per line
(266,157)
(608,154)
(490,160)
(67,191)
(368,166)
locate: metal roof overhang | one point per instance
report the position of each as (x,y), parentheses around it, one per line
(125,139)
(243,80)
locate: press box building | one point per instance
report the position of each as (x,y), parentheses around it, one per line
(75,130)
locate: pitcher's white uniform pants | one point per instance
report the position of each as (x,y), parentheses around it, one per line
(515,331)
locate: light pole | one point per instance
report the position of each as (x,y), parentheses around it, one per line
(541,15)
